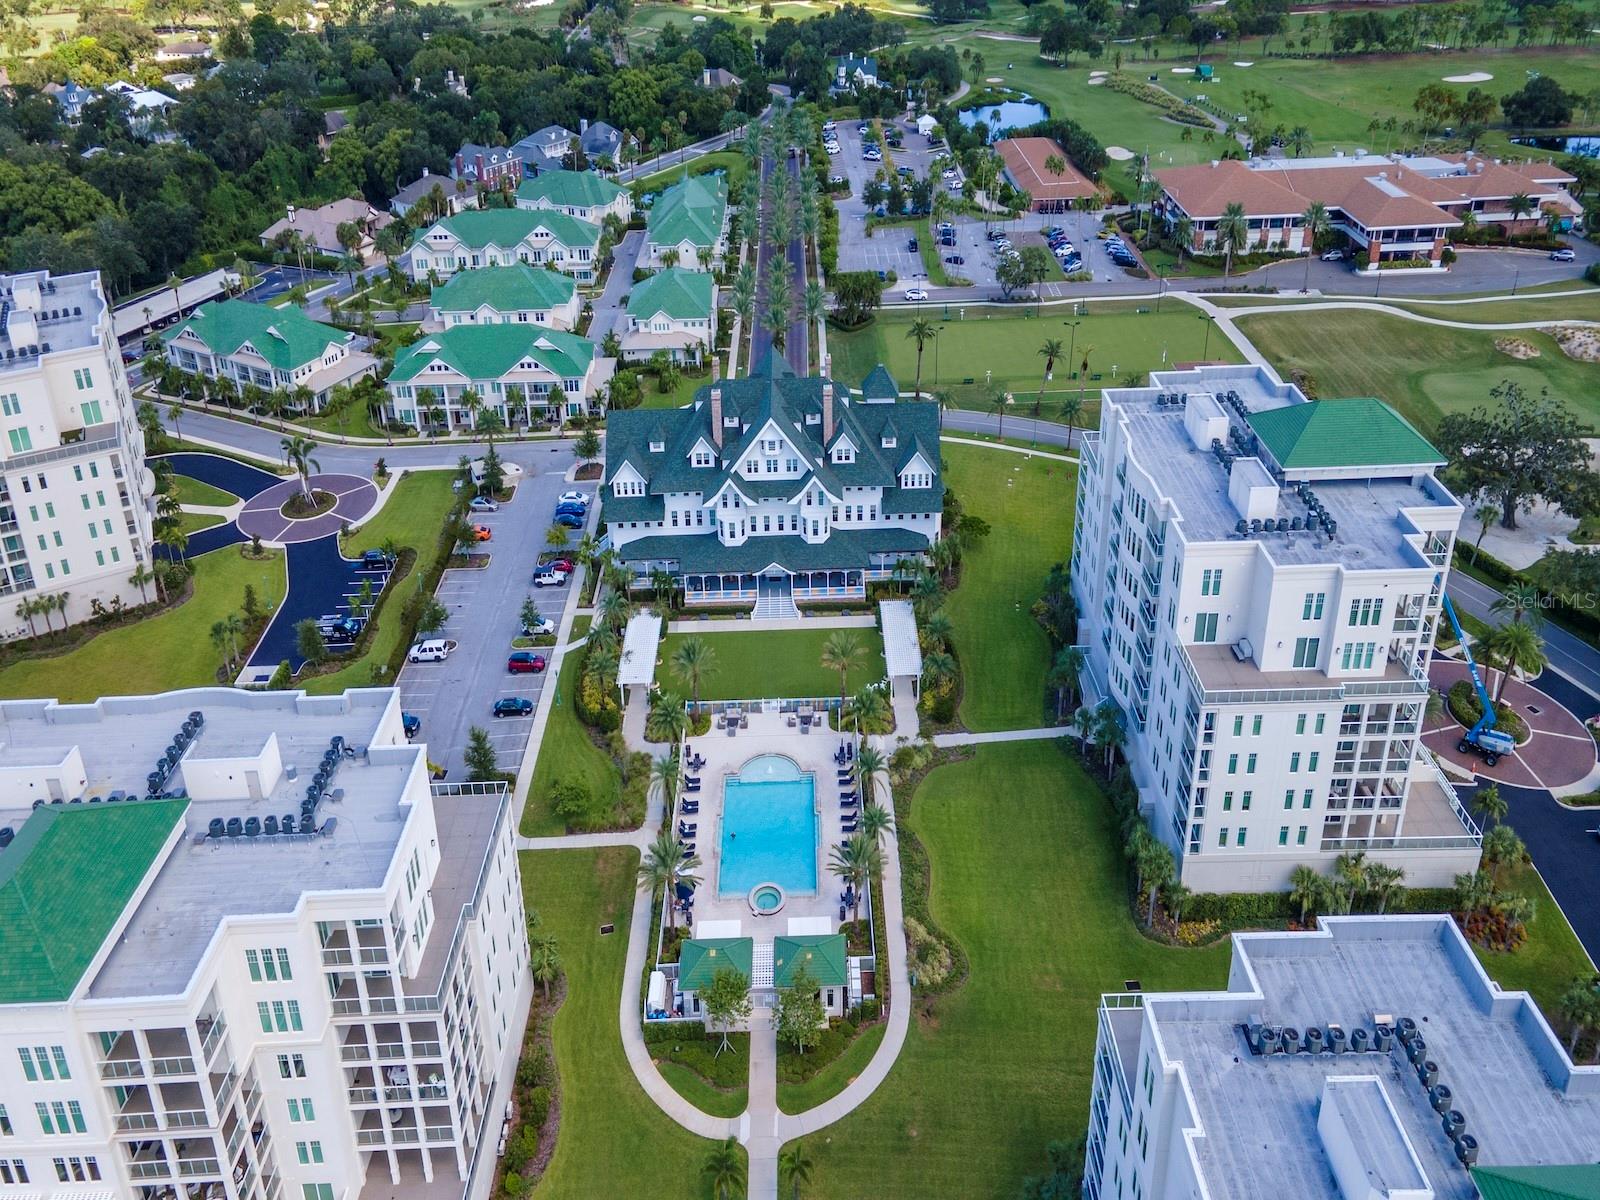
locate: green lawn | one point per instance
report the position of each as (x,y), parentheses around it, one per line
(1551,957)
(1004,654)
(191,491)
(192,523)
(358,421)
(613,1139)
(731,161)
(1423,370)
(566,753)
(167,651)
(770,663)
(833,1078)
(678,397)
(1038,902)
(1579,306)
(1002,350)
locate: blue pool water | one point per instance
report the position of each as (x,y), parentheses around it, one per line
(769,829)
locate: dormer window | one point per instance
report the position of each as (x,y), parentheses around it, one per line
(813,418)
(628,488)
(888,441)
(844,454)
(657,446)
(702,458)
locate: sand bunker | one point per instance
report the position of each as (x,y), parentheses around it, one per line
(1240,64)
(1118,153)
(1095,74)
(994,79)
(1183,70)
(1474,77)
(1516,347)
(1579,342)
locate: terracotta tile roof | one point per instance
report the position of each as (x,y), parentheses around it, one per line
(1025,157)
(1203,191)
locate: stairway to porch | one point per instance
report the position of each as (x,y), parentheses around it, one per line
(775,600)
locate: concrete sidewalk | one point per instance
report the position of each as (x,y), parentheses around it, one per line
(947,740)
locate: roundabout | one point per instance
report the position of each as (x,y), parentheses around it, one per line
(264,514)
(1556,753)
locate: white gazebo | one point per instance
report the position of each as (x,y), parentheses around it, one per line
(902,655)
(639,644)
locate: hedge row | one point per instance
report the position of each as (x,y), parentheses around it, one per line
(1235,910)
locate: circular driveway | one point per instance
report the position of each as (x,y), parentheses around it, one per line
(263,517)
(1558,753)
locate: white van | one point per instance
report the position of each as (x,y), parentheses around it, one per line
(432,650)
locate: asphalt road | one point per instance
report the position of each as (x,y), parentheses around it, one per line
(609,312)
(796,339)
(1569,655)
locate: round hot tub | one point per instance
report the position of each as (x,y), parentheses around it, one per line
(766,899)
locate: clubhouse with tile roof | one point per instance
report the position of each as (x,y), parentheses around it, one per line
(581,194)
(502,237)
(192,955)
(1389,207)
(689,220)
(773,485)
(675,310)
(516,295)
(521,372)
(275,349)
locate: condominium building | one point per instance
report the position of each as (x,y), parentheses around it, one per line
(502,237)
(74,491)
(250,952)
(514,295)
(513,369)
(675,312)
(581,194)
(1258,579)
(1372,1058)
(688,225)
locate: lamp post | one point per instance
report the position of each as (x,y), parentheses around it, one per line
(1072,345)
(936,341)
(1206,350)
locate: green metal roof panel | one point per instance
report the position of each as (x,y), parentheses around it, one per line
(504,289)
(681,294)
(506,227)
(845,549)
(699,959)
(580,189)
(821,954)
(690,211)
(1577,1182)
(64,883)
(1361,432)
(285,337)
(489,351)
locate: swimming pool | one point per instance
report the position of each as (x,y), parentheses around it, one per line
(769,828)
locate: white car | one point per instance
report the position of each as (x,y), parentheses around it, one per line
(831,147)
(549,579)
(541,627)
(483,504)
(574,498)
(1333,256)
(916,293)
(955,185)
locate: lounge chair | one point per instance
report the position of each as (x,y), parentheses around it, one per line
(849,805)
(694,779)
(687,830)
(848,828)
(688,850)
(689,807)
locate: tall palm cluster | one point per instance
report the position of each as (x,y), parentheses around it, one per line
(779,210)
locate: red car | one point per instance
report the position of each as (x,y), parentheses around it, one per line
(523,662)
(559,564)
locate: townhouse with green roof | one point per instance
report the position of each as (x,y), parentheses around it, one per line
(675,311)
(688,225)
(524,373)
(581,194)
(773,487)
(275,349)
(501,237)
(516,295)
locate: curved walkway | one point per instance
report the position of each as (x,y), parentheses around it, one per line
(1373,306)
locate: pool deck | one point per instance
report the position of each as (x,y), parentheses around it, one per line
(769,733)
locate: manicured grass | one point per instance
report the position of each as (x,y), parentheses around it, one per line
(1004,654)
(1425,371)
(731,161)
(1003,1067)
(1578,306)
(678,397)
(833,1078)
(194,522)
(770,663)
(167,651)
(358,421)
(192,491)
(701,1094)
(566,753)
(1002,350)
(1550,959)
(613,1139)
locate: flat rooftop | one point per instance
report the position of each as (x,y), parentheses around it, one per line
(48,314)
(1220,670)
(1509,1076)
(201,882)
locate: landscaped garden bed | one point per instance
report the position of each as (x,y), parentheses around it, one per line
(689,1060)
(1466,708)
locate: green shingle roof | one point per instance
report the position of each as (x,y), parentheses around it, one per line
(504,289)
(681,294)
(1341,433)
(821,954)
(580,189)
(879,385)
(699,959)
(285,337)
(506,227)
(690,211)
(64,882)
(489,351)
(1581,1182)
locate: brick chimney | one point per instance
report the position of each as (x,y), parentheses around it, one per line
(482,178)
(716,416)
(461,165)
(827,414)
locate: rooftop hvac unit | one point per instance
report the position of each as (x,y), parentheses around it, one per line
(270,826)
(1454,1123)
(214,827)
(1291,1040)
(235,827)
(1360,1040)
(1335,1040)
(252,827)
(1427,1073)
(198,717)
(1314,1040)
(308,823)
(287,824)
(1241,527)
(1417,1051)
(1382,1039)
(1439,1096)
(6,836)
(1252,1034)
(1467,1149)
(1406,1029)
(1271,1040)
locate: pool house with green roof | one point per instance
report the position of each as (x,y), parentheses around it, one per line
(673,312)
(581,194)
(516,295)
(688,225)
(503,237)
(526,374)
(275,349)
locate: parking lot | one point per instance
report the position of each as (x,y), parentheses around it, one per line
(485,615)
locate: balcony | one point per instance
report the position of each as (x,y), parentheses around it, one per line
(192,1167)
(177,1065)
(133,1122)
(212,1034)
(188,1118)
(122,1068)
(362,1095)
(149,1170)
(439,1133)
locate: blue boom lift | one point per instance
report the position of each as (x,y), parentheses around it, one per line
(1483,737)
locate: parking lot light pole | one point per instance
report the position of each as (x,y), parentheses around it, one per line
(1072,346)
(1206,351)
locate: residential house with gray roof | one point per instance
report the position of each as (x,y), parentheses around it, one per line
(516,370)
(487,166)
(497,237)
(673,311)
(544,150)
(599,139)
(773,486)
(689,221)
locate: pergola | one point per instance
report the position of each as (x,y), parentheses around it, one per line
(639,643)
(902,654)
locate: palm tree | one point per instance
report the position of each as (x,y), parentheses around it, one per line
(664,775)
(1521,601)
(175,540)
(1383,879)
(1233,231)
(663,867)
(667,721)
(1050,351)
(816,303)
(843,652)
(297,452)
(614,608)
(725,1169)
(1108,732)
(233,625)
(876,820)
(856,860)
(870,711)
(1314,222)
(142,576)
(693,660)
(219,640)
(27,609)
(1502,848)
(1351,870)
(1516,910)
(1065,671)
(869,764)
(1516,645)
(1490,805)
(795,1166)
(1579,1007)
(938,669)
(1306,887)
(1083,369)
(544,960)
(1520,205)
(922,331)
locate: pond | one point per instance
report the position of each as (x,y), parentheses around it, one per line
(1586,145)
(1013,114)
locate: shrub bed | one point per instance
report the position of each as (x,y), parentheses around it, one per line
(797,1068)
(1176,109)
(694,1049)
(1465,708)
